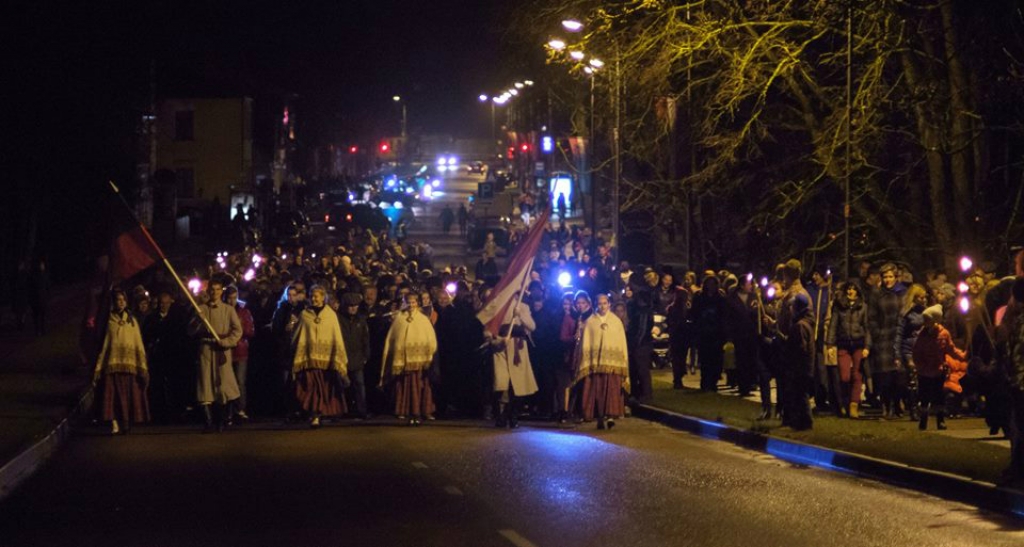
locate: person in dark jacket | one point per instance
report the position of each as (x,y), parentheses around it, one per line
(911,321)
(849,336)
(883,321)
(932,347)
(545,352)
(356,335)
(743,324)
(460,361)
(169,364)
(678,318)
(709,316)
(640,342)
(798,369)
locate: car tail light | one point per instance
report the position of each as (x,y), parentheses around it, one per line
(327,218)
(348,217)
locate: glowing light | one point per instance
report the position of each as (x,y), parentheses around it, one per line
(256,259)
(409,190)
(750,277)
(556,44)
(398,205)
(771,293)
(578,55)
(572,25)
(519,85)
(250,274)
(764,281)
(528,82)
(547,144)
(441,161)
(435,183)
(195,285)
(428,191)
(396,98)
(588,70)
(451,287)
(564,279)
(965,264)
(483,98)
(965,304)
(513,92)
(596,63)
(583,273)
(391,183)
(962,287)
(453,160)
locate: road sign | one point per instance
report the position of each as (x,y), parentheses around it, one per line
(485,190)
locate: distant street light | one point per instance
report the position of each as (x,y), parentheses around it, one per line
(528,82)
(513,91)
(405,118)
(596,63)
(556,44)
(578,55)
(483,98)
(519,85)
(572,25)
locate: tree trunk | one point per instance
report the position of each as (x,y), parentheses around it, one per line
(960,129)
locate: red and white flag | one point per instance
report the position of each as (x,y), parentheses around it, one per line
(501,305)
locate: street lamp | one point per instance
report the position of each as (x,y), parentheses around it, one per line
(398,99)
(578,55)
(572,25)
(556,44)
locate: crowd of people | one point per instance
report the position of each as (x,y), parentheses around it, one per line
(369,329)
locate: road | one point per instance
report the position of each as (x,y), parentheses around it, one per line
(461,484)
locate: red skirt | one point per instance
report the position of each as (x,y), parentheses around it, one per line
(412,394)
(319,393)
(602,395)
(124,398)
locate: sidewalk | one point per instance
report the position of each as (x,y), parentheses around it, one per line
(42,384)
(962,463)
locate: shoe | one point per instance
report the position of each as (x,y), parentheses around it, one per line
(610,424)
(114,428)
(207,419)
(241,415)
(940,423)
(765,414)
(854,411)
(677,385)
(315,422)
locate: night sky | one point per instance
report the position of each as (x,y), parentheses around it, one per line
(79,76)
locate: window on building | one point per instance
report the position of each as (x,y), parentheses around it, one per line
(184,125)
(186,183)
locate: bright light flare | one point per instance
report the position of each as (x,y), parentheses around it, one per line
(556,44)
(519,85)
(764,281)
(596,63)
(428,191)
(771,293)
(962,287)
(195,285)
(578,55)
(965,264)
(435,183)
(965,304)
(483,98)
(564,280)
(572,25)
(451,288)
(250,274)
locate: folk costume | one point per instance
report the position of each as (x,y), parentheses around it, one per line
(123,371)
(603,368)
(320,364)
(408,352)
(513,372)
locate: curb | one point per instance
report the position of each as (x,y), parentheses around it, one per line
(943,485)
(22,466)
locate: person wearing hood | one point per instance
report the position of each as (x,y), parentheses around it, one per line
(883,321)
(798,368)
(932,350)
(849,336)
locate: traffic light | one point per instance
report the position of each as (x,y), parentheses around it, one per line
(525,147)
(353,149)
(384,147)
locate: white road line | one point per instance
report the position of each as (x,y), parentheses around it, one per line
(419,465)
(516,539)
(453,490)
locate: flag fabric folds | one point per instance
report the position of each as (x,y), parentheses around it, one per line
(500,306)
(130,253)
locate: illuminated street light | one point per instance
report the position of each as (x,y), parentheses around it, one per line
(556,44)
(572,25)
(519,85)
(528,82)
(596,63)
(588,70)
(578,55)
(396,98)
(514,91)
(483,98)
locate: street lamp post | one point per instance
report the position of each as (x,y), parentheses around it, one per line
(494,137)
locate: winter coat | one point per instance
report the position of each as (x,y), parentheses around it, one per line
(883,321)
(799,347)
(935,354)
(906,332)
(356,334)
(241,352)
(849,325)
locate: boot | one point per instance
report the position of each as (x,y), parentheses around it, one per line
(501,418)
(207,419)
(854,411)
(940,421)
(766,412)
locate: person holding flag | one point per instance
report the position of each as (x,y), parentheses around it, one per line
(215,382)
(507,325)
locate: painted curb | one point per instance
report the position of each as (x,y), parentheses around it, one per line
(944,485)
(22,466)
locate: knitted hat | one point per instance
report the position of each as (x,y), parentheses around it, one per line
(933,312)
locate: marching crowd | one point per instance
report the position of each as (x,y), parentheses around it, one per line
(370,328)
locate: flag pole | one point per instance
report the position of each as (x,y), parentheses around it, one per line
(166,262)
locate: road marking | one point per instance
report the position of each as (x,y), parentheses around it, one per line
(419,465)
(453,490)
(516,539)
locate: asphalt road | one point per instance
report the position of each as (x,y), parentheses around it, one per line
(461,484)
